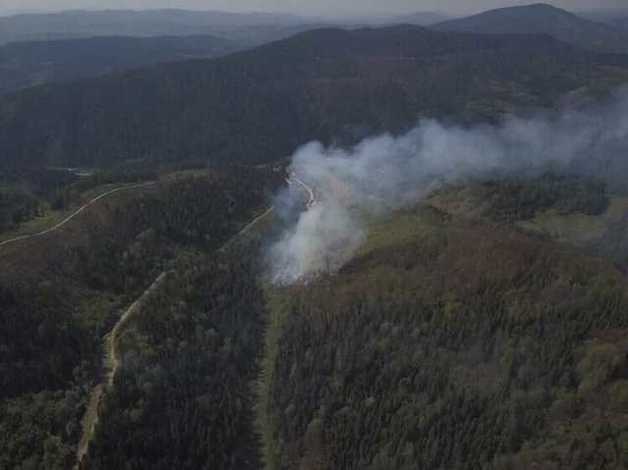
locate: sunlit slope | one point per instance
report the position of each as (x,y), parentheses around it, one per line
(451,342)
(578,213)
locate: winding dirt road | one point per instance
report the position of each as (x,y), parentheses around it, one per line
(312,201)
(75,213)
(111,363)
(112,359)
(246,229)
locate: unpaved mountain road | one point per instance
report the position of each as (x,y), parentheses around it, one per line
(312,200)
(111,364)
(75,213)
(112,360)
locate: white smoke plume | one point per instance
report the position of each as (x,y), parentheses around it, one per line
(385,173)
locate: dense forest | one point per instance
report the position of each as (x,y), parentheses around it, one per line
(333,85)
(451,343)
(17,205)
(516,199)
(184,396)
(485,327)
(26,64)
(38,193)
(61,294)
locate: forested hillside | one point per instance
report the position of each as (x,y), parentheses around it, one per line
(331,85)
(26,64)
(542,18)
(184,397)
(480,325)
(60,295)
(452,342)
(622,23)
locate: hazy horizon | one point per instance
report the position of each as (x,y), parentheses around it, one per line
(321,8)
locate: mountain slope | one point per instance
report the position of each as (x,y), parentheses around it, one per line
(542,19)
(621,23)
(613,16)
(259,105)
(450,343)
(31,63)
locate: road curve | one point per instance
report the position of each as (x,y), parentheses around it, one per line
(75,213)
(312,201)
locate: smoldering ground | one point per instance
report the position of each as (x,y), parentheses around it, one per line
(385,173)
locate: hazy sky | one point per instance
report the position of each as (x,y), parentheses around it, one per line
(308,7)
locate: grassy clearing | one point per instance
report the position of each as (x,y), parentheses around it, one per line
(278,308)
(416,225)
(401,228)
(578,229)
(36,225)
(442,333)
(53,217)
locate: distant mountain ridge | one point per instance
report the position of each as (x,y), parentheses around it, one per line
(613,16)
(621,23)
(332,85)
(25,64)
(255,27)
(424,18)
(541,18)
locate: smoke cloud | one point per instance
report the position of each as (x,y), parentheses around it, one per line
(385,173)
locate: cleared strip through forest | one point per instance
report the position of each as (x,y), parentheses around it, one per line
(112,358)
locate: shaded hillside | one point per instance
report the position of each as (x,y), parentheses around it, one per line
(543,19)
(622,23)
(32,63)
(331,85)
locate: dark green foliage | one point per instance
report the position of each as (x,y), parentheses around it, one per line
(259,105)
(183,398)
(41,342)
(446,352)
(59,295)
(514,200)
(40,430)
(193,211)
(17,205)
(26,64)
(41,186)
